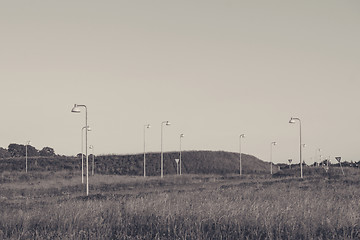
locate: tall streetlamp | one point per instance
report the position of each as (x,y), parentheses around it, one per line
(76,109)
(145,127)
(292,120)
(271,163)
(167,123)
(82,152)
(26,164)
(181,136)
(93,160)
(240,137)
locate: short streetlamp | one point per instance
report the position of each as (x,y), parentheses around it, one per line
(318,150)
(292,120)
(167,123)
(82,152)
(240,137)
(76,109)
(181,136)
(26,155)
(93,160)
(290,160)
(271,163)
(145,127)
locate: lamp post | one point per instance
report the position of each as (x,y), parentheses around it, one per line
(271,168)
(26,164)
(290,160)
(93,160)
(292,120)
(76,109)
(319,150)
(240,137)
(145,126)
(167,123)
(82,152)
(181,136)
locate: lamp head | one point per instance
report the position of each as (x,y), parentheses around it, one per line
(274,143)
(292,120)
(168,123)
(75,109)
(148,126)
(182,135)
(242,135)
(88,128)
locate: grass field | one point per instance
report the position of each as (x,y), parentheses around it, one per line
(52,205)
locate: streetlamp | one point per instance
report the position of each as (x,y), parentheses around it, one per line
(82,152)
(292,120)
(76,109)
(181,136)
(93,160)
(240,137)
(271,168)
(319,150)
(167,123)
(26,165)
(290,160)
(145,126)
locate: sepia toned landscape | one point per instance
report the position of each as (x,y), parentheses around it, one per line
(180,120)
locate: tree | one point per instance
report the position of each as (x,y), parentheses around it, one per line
(16,150)
(4,153)
(47,151)
(32,151)
(19,150)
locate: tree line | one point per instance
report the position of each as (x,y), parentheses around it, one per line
(19,150)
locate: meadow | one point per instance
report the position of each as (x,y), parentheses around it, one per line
(53,205)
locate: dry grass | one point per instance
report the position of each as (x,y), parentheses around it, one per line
(186,207)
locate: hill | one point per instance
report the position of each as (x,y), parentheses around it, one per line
(193,162)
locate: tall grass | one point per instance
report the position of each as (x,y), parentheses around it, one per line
(316,208)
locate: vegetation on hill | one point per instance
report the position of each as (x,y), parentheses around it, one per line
(20,150)
(193,162)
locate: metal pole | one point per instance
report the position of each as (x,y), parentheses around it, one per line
(87,158)
(144,155)
(181,136)
(26,167)
(162,159)
(240,154)
(240,169)
(271,171)
(93,160)
(301,167)
(180,154)
(82,155)
(342,169)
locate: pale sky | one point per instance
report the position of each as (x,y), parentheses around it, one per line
(214,69)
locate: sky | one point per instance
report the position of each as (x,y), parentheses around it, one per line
(214,69)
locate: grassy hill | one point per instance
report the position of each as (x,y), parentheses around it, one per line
(194,162)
